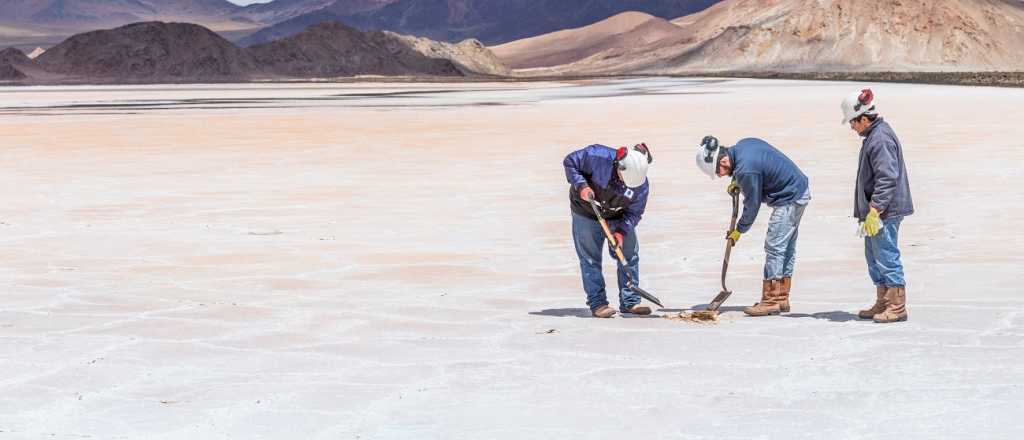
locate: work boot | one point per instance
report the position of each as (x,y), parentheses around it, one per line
(896,306)
(879,306)
(783,299)
(769,304)
(638,310)
(603,312)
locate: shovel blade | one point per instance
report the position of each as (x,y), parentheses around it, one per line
(646,295)
(719,300)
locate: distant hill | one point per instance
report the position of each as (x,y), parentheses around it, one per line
(281,10)
(79,13)
(628,29)
(158,52)
(150,51)
(801,36)
(490,21)
(12,61)
(333,49)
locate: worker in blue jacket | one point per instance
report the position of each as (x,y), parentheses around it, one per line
(763,174)
(617,180)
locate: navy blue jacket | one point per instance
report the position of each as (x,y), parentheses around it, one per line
(594,166)
(882,179)
(765,175)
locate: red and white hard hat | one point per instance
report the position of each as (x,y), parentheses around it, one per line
(633,164)
(858,104)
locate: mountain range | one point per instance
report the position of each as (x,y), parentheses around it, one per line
(787,36)
(158,52)
(30,23)
(490,21)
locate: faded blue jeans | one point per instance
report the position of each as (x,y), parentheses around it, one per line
(590,243)
(882,253)
(780,243)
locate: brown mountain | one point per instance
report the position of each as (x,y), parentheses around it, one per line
(333,49)
(490,21)
(827,35)
(628,29)
(156,52)
(470,56)
(151,52)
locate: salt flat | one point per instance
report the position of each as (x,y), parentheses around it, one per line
(393,261)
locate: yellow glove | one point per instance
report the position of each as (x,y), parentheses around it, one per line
(873,223)
(734,236)
(733,188)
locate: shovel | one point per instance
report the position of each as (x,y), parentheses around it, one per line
(630,282)
(725,293)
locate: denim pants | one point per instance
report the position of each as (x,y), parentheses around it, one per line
(589,239)
(882,253)
(780,243)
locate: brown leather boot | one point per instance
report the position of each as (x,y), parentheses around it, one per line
(638,310)
(783,299)
(768,304)
(603,312)
(879,306)
(896,306)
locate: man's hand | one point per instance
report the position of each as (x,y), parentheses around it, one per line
(733,236)
(873,223)
(733,188)
(619,239)
(586,193)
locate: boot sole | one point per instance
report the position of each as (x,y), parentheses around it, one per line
(900,319)
(758,315)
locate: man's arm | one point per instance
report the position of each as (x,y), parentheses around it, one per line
(886,166)
(577,166)
(751,185)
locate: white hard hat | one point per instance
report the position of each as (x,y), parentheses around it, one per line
(858,104)
(633,164)
(707,156)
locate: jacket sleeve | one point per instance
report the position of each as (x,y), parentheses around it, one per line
(886,166)
(750,183)
(634,213)
(577,164)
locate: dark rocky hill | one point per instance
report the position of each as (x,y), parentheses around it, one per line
(149,51)
(333,49)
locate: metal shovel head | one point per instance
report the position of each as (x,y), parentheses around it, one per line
(719,300)
(645,295)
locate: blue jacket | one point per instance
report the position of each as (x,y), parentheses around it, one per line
(882,179)
(594,166)
(766,175)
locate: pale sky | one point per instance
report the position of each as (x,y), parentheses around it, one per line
(248,2)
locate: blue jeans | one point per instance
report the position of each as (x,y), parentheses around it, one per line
(589,239)
(882,253)
(780,243)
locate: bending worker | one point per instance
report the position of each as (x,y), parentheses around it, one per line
(764,175)
(617,180)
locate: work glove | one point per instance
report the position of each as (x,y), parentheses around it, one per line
(733,235)
(733,188)
(586,193)
(619,239)
(872,223)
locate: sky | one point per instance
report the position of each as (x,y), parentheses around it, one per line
(248,2)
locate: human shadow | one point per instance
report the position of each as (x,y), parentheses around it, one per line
(584,313)
(834,316)
(564,313)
